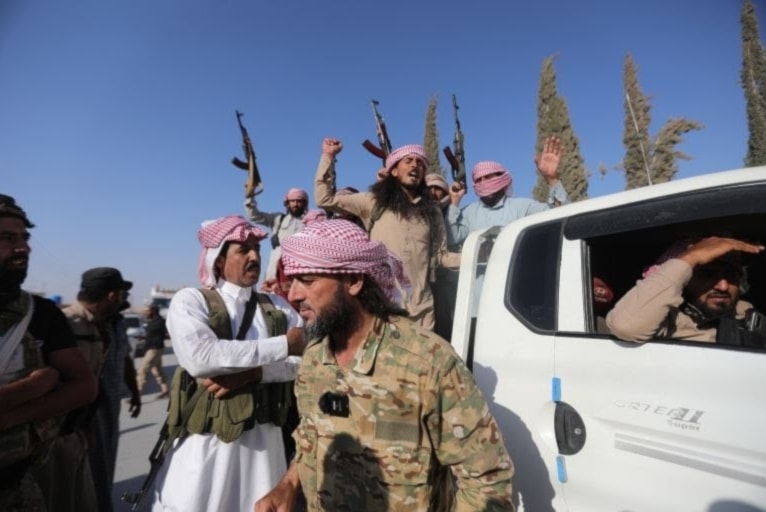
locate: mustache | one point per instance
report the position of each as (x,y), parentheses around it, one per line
(253,266)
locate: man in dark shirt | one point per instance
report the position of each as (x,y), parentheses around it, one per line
(154,343)
(43,375)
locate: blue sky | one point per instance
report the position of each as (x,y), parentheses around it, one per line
(117,117)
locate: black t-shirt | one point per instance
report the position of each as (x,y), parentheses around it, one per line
(49,325)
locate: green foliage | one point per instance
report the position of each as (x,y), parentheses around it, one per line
(431,139)
(553,120)
(753,79)
(648,161)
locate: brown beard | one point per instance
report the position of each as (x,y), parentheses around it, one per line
(389,195)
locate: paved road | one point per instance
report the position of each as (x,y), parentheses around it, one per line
(138,436)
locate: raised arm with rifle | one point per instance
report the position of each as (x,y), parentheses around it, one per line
(456,154)
(253,183)
(384,148)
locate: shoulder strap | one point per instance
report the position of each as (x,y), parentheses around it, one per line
(276,320)
(219,319)
(377,211)
(247,318)
(11,339)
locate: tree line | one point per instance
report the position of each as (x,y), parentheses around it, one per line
(648,159)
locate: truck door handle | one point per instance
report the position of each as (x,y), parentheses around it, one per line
(569,429)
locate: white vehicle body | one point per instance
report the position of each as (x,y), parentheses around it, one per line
(598,424)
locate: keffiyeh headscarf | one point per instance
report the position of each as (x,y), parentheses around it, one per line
(314,216)
(341,247)
(437,180)
(492,185)
(214,233)
(399,153)
(297,194)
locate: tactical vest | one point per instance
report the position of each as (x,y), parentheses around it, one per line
(29,442)
(231,415)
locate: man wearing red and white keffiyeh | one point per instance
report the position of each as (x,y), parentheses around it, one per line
(493,184)
(399,212)
(205,472)
(390,414)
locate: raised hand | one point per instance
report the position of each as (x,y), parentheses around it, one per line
(712,248)
(331,146)
(547,162)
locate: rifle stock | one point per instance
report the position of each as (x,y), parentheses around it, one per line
(383,149)
(253,183)
(456,155)
(375,150)
(156,459)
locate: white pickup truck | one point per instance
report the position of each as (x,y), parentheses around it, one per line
(598,424)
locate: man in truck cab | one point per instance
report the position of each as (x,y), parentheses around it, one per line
(692,294)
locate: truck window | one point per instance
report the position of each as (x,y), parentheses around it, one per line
(532,287)
(621,259)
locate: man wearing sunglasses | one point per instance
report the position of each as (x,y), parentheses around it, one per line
(692,294)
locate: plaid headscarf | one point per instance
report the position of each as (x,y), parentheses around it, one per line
(399,153)
(492,185)
(314,216)
(437,180)
(341,247)
(214,233)
(297,194)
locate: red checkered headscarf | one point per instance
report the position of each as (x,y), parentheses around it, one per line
(341,247)
(314,216)
(399,153)
(492,185)
(214,233)
(437,180)
(297,194)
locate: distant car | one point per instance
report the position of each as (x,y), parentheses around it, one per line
(136,333)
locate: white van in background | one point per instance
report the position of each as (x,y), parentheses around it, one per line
(594,423)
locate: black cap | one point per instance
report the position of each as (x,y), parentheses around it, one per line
(9,208)
(104,278)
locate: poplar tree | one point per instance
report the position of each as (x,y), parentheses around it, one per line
(431,139)
(648,161)
(553,120)
(753,78)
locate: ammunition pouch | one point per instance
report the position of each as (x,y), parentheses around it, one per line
(227,417)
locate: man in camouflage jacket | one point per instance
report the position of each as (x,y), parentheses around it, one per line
(390,415)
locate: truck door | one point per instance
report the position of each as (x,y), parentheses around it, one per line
(512,355)
(663,425)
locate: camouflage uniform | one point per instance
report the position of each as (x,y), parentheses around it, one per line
(413,407)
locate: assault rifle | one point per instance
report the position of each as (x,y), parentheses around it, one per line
(456,154)
(384,148)
(253,183)
(156,458)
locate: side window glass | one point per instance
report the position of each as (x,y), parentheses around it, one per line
(532,285)
(721,305)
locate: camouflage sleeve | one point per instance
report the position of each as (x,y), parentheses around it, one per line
(467,438)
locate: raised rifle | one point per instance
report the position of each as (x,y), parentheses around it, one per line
(156,458)
(253,183)
(456,154)
(384,148)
